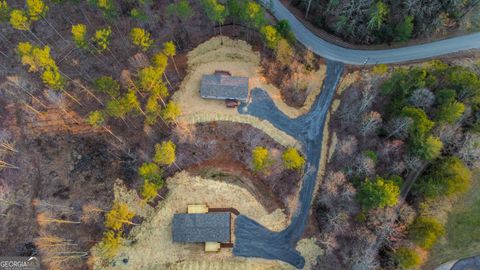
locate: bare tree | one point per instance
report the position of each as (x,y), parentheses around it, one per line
(91,213)
(363,165)
(370,123)
(346,147)
(469,150)
(422,98)
(398,127)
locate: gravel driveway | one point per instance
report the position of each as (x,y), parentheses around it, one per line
(251,238)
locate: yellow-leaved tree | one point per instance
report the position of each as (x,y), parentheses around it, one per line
(261,159)
(119,214)
(165,153)
(292,159)
(141,38)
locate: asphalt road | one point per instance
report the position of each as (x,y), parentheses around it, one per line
(251,238)
(371,57)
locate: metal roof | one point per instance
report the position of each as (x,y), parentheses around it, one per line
(199,228)
(219,86)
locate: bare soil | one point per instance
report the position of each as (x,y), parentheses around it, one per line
(222,151)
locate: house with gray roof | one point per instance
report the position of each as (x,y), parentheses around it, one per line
(202,228)
(224,87)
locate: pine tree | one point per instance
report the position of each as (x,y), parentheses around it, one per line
(170,50)
(171,112)
(182,10)
(160,61)
(150,171)
(116,108)
(152,110)
(141,38)
(101,39)
(19,20)
(96,119)
(149,191)
(107,85)
(79,32)
(4,11)
(164,153)
(36,9)
(110,244)
(119,215)
(52,78)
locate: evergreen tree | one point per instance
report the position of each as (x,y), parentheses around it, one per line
(107,85)
(36,9)
(79,32)
(4,11)
(19,20)
(171,112)
(101,39)
(141,38)
(165,153)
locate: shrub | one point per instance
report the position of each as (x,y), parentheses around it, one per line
(270,36)
(371,154)
(407,258)
(261,158)
(380,69)
(292,159)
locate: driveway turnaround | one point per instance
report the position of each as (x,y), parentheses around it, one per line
(251,238)
(472,263)
(371,57)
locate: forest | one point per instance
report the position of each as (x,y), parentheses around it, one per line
(375,22)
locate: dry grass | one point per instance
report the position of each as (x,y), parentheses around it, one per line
(153,240)
(310,251)
(239,59)
(348,80)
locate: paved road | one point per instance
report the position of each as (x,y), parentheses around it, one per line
(251,238)
(358,57)
(472,263)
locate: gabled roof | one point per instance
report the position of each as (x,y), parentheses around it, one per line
(220,86)
(200,228)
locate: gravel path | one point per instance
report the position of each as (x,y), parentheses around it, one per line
(360,57)
(251,238)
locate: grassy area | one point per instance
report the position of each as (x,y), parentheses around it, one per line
(463,236)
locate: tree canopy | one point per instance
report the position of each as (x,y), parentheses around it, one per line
(141,38)
(447,177)
(261,158)
(378,193)
(165,153)
(292,159)
(424,231)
